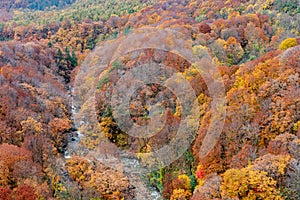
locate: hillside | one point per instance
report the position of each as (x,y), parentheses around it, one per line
(33,5)
(150,99)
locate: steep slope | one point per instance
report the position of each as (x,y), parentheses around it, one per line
(255,46)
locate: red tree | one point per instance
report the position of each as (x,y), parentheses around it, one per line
(25,192)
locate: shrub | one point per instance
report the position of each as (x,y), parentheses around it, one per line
(288,43)
(180,194)
(200,175)
(204,28)
(182,182)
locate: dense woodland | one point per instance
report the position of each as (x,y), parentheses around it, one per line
(255,45)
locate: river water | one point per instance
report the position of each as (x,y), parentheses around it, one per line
(143,190)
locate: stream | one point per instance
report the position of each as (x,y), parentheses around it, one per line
(143,190)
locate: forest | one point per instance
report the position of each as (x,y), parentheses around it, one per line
(69,69)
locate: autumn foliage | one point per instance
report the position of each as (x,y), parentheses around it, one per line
(287,43)
(255,46)
(249,184)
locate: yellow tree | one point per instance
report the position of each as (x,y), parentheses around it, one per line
(4,174)
(247,184)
